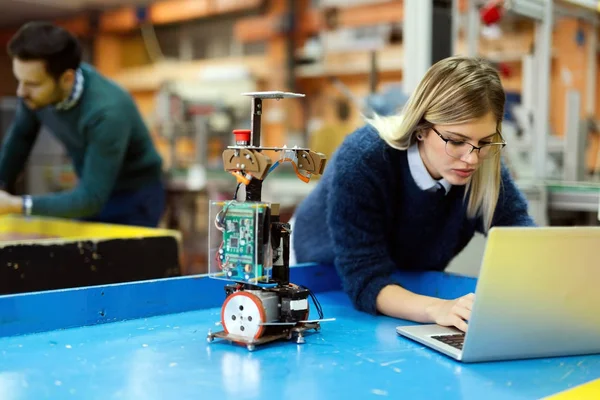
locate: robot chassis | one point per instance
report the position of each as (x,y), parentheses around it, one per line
(261,305)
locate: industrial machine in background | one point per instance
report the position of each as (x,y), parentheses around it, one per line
(249,246)
(562,171)
(192,126)
(193,122)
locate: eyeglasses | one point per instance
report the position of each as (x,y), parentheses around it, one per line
(460,149)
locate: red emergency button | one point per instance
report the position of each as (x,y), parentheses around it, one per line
(242,136)
(491,13)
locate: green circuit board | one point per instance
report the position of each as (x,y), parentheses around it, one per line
(243,227)
(239,237)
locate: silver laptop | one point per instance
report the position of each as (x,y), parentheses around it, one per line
(537,295)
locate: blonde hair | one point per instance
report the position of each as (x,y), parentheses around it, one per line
(455,90)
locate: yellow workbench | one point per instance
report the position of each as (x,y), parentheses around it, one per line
(39,253)
(587,391)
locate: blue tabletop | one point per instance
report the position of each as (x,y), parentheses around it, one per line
(149,352)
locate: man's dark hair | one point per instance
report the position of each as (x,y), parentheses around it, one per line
(43,41)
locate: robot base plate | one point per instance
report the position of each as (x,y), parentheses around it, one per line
(251,343)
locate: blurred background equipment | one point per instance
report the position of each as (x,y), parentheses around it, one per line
(551,114)
(193,123)
(194,119)
(186,61)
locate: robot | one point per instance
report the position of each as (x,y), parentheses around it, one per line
(249,246)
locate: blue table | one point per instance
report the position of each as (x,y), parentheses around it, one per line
(147,340)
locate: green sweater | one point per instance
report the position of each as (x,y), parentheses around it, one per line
(104,135)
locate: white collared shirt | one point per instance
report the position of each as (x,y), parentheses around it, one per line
(75,95)
(420,174)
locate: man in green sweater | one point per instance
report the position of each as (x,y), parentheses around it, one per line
(118,168)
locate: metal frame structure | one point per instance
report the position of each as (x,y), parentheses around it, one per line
(430,31)
(543,13)
(417,41)
(536,87)
(418,57)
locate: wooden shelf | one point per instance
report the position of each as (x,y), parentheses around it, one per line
(354,63)
(314,21)
(390,59)
(149,78)
(508,56)
(161,12)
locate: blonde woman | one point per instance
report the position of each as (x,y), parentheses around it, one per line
(409,192)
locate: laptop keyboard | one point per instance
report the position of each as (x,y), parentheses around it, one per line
(455,340)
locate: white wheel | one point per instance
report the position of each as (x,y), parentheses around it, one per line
(242,315)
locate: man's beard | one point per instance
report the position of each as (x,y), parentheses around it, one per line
(56,98)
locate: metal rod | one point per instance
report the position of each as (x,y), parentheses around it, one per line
(527,9)
(409,47)
(573,153)
(255,121)
(579,14)
(373,73)
(542,116)
(254,190)
(535,10)
(529,82)
(473,26)
(290,44)
(417,35)
(455,26)
(591,4)
(590,100)
(598,208)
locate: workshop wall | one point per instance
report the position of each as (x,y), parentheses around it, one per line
(183,41)
(8,84)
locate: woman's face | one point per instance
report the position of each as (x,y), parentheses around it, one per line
(455,161)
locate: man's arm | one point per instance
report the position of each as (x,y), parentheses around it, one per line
(107,133)
(17,145)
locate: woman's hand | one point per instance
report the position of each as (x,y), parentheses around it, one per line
(455,312)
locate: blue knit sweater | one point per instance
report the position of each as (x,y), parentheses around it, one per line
(368,217)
